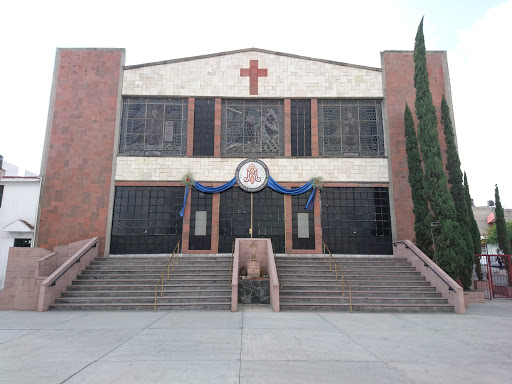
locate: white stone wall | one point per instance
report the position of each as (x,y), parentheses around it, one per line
(19,202)
(364,170)
(220,76)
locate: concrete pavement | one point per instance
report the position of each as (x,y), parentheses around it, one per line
(256,345)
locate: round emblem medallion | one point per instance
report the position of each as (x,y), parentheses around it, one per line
(252,175)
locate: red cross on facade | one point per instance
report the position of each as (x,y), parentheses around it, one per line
(253,72)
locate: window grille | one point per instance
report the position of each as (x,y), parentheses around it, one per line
(351,128)
(252,128)
(154,127)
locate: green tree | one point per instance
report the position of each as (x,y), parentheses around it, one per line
(492,233)
(422,216)
(475,232)
(449,244)
(501,226)
(458,193)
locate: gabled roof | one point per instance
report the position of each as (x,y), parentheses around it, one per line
(250,50)
(19,226)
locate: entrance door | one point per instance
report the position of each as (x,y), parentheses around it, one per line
(235,217)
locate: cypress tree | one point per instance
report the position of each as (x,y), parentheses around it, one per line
(501,225)
(422,217)
(475,232)
(458,193)
(450,246)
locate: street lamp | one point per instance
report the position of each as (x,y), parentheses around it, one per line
(432,225)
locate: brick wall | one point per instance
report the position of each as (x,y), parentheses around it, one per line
(398,75)
(79,150)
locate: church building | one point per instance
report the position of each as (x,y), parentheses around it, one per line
(122,141)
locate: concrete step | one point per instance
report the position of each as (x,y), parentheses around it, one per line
(159,260)
(212,306)
(152,269)
(350,275)
(172,281)
(147,275)
(130,287)
(128,283)
(167,299)
(145,292)
(383,284)
(325,268)
(338,292)
(367,307)
(361,300)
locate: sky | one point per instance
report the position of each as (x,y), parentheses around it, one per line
(476,34)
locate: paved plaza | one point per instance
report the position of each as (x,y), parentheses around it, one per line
(256,345)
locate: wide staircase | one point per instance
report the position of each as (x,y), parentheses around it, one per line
(198,282)
(378,284)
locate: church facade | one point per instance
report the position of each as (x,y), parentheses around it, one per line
(121,140)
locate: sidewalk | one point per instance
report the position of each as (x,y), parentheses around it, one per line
(256,345)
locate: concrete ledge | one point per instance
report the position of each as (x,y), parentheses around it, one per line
(474,297)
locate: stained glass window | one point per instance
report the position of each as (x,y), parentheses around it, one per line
(351,128)
(252,128)
(154,127)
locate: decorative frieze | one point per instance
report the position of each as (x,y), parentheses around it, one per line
(221,170)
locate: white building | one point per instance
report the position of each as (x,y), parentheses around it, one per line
(19,198)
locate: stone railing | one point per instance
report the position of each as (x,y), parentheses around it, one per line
(58,281)
(29,269)
(438,278)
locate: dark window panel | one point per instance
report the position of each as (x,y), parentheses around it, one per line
(364,228)
(235,217)
(147,220)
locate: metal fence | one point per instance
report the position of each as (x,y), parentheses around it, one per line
(492,275)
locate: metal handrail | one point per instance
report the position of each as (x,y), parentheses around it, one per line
(424,263)
(343,278)
(94,245)
(167,267)
(231,266)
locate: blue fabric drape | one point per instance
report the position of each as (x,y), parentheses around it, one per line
(222,188)
(182,212)
(311,200)
(295,191)
(271,183)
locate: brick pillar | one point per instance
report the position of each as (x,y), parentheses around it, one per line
(288,212)
(80,147)
(398,84)
(317,213)
(190,126)
(287,127)
(186,224)
(314,128)
(215,222)
(218,116)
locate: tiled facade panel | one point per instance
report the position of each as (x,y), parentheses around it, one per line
(76,186)
(399,78)
(223,169)
(220,76)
